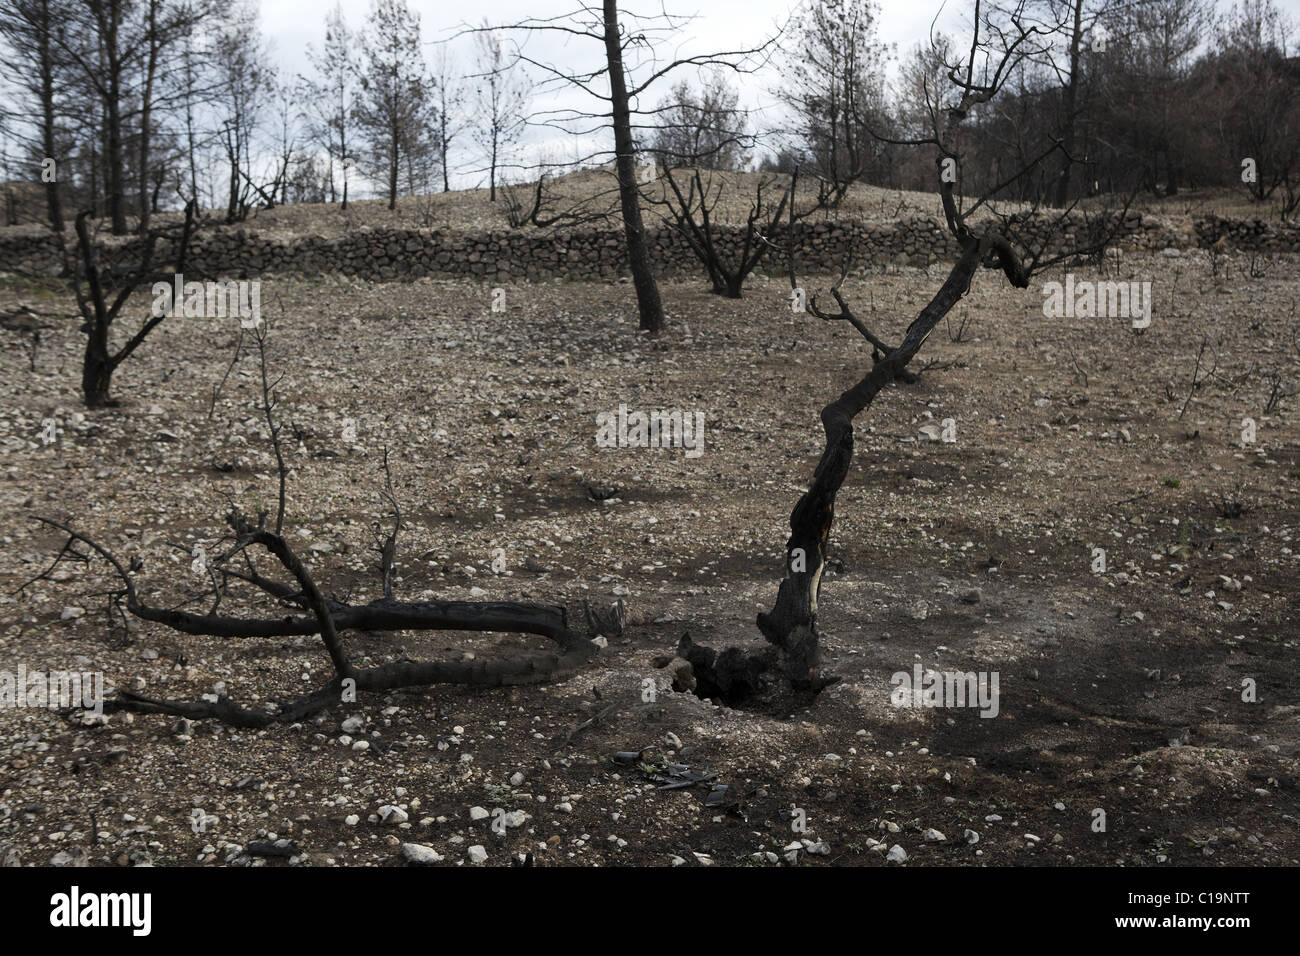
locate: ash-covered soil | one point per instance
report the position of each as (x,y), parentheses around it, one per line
(1120,691)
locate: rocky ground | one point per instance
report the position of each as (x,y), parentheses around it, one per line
(1121,690)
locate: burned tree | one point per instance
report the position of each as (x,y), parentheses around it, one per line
(834,87)
(103,290)
(728,261)
(628,42)
(1018,244)
(297,606)
(540,209)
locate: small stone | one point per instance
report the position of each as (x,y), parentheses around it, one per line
(477,854)
(420,854)
(896,854)
(478,813)
(931,835)
(393,815)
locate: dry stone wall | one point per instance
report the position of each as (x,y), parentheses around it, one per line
(397,254)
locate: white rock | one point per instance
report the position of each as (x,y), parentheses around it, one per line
(896,854)
(931,835)
(478,813)
(393,815)
(419,853)
(477,854)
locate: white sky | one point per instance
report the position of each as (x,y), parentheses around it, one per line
(719,25)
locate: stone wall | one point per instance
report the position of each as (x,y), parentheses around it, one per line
(396,254)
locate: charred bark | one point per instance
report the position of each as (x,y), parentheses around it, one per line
(330,619)
(649,303)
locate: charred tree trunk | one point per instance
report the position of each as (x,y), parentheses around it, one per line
(96,372)
(1070,107)
(789,668)
(791,625)
(649,304)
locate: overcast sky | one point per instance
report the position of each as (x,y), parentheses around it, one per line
(717,25)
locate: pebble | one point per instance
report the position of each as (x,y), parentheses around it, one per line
(420,854)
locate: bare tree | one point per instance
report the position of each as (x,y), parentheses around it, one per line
(329,97)
(161,73)
(31,66)
(245,82)
(1251,85)
(630,68)
(500,101)
(728,259)
(103,289)
(449,104)
(1018,244)
(704,130)
(833,82)
(290,584)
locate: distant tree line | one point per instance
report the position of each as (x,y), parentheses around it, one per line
(126,107)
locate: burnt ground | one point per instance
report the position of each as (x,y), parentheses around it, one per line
(1119,690)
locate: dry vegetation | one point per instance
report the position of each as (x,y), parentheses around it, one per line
(1119,691)
(594,191)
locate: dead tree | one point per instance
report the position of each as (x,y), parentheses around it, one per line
(295,590)
(788,668)
(768,225)
(102,290)
(541,212)
(629,66)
